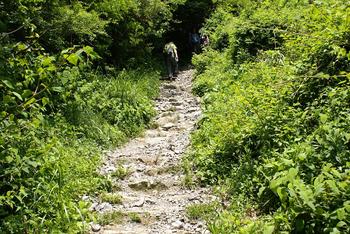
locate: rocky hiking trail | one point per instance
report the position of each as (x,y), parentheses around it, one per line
(152,189)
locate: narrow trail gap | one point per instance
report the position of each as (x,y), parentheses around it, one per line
(154,188)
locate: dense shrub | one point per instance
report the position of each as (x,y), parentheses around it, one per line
(275,125)
(76,78)
(54,123)
(61,103)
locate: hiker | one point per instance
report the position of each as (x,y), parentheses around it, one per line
(171,59)
(194,40)
(204,41)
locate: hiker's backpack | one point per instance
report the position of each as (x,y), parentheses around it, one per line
(170,51)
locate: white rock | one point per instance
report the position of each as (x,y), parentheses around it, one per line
(93,206)
(150,201)
(95,227)
(168,126)
(188,226)
(104,207)
(139,203)
(140,168)
(177,224)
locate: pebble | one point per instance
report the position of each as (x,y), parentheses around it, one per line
(188,226)
(150,201)
(93,206)
(140,168)
(177,224)
(85,198)
(139,203)
(168,126)
(104,207)
(95,227)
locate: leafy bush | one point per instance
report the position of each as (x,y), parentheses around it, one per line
(56,114)
(275,125)
(62,102)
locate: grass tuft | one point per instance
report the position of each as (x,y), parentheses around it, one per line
(111,198)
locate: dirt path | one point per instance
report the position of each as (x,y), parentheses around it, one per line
(154,188)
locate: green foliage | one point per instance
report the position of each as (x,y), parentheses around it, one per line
(110,218)
(121,172)
(62,101)
(274,86)
(201,211)
(135,217)
(119,30)
(111,198)
(42,175)
(76,25)
(56,113)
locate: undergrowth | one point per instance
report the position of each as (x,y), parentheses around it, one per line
(53,129)
(275,131)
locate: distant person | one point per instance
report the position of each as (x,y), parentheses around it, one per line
(194,40)
(205,40)
(172,59)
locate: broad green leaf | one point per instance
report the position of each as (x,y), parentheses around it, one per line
(319,185)
(8,99)
(66,51)
(73,59)
(58,89)
(27,93)
(18,96)
(90,52)
(341,214)
(32,163)
(21,46)
(25,169)
(332,185)
(274,184)
(9,159)
(347,206)
(88,49)
(335,231)
(47,61)
(261,190)
(311,205)
(281,191)
(323,118)
(45,101)
(8,84)
(269,229)
(24,114)
(29,102)
(341,224)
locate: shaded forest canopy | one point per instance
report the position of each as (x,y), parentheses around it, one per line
(118,30)
(188,17)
